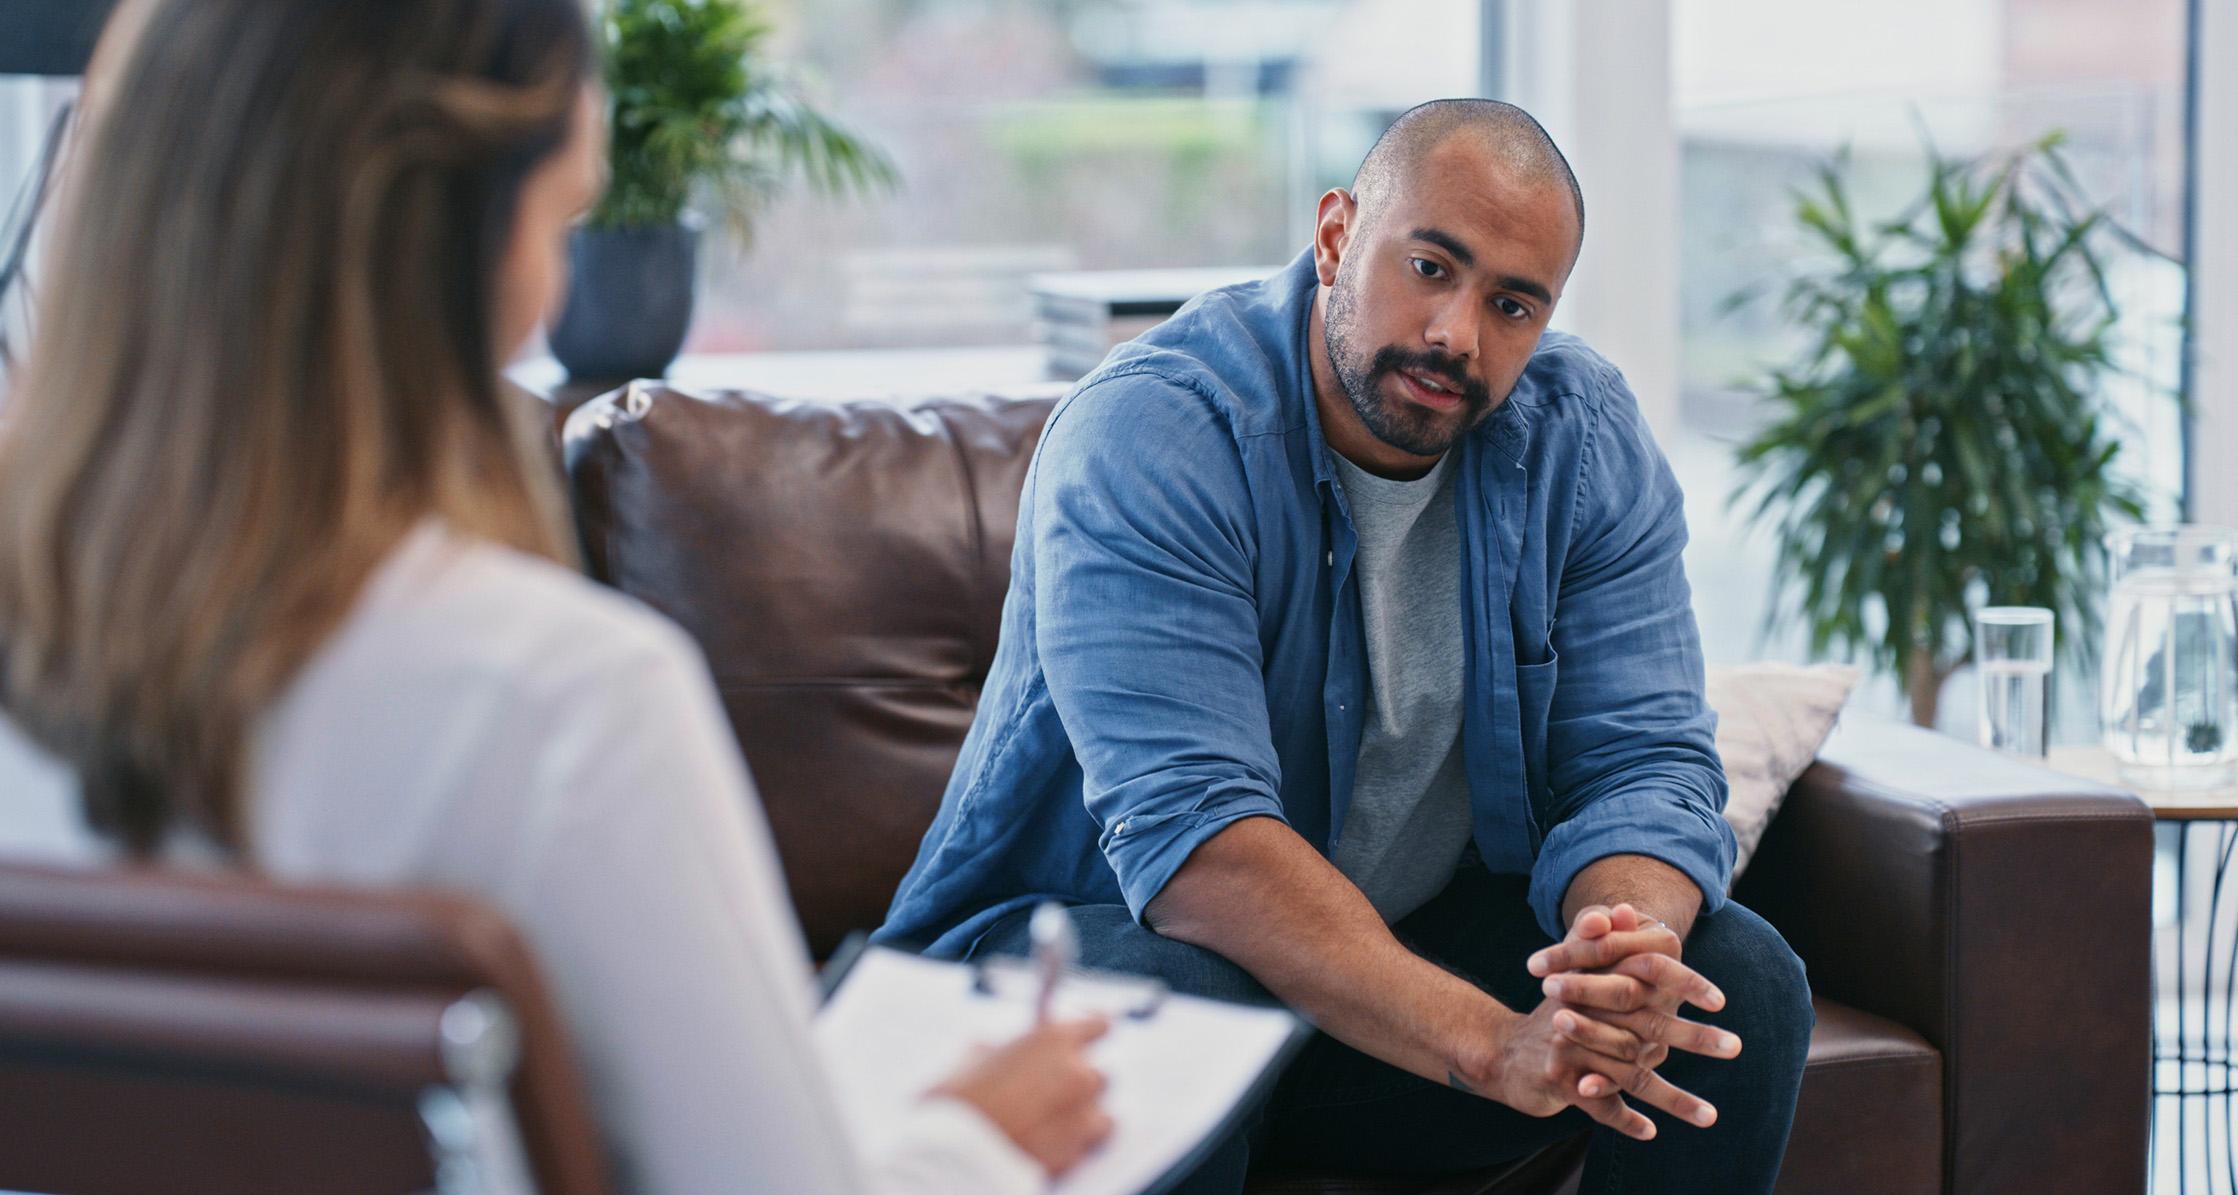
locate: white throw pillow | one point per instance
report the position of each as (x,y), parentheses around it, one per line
(1771,721)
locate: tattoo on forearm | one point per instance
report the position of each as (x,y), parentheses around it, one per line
(1460,1084)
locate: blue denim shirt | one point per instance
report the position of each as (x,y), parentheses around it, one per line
(1182,648)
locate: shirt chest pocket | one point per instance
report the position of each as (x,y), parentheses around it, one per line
(1533,629)
(1531,622)
(1534,699)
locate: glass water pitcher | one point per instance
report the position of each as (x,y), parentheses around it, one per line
(2168,691)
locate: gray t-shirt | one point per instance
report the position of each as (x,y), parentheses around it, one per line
(1409,818)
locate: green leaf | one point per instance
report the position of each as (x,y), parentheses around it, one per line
(1942,429)
(700,115)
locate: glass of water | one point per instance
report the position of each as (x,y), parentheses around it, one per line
(2168,693)
(2013,654)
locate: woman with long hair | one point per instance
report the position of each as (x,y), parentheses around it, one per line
(283,571)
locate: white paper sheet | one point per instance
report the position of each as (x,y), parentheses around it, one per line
(900,1024)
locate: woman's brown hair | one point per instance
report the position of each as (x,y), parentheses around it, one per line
(263,353)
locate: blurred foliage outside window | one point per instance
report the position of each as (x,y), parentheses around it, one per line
(1035,135)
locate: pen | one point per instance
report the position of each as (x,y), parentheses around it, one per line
(1055,945)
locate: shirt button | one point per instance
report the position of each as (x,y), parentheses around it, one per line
(1119,827)
(1330,559)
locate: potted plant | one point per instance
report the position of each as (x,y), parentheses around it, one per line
(1942,443)
(699,115)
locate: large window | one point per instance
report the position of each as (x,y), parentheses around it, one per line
(1767,90)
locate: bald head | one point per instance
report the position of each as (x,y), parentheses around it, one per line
(1509,137)
(1438,272)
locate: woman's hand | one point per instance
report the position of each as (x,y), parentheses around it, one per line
(1041,1091)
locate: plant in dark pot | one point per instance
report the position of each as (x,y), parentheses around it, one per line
(702,120)
(1943,443)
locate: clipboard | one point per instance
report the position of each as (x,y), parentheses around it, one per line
(1184,1071)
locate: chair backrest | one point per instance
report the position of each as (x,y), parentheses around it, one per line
(843,565)
(195,1033)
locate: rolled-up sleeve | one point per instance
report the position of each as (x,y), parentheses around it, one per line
(1631,742)
(1146,624)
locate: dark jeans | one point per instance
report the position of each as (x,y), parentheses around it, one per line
(1337,1109)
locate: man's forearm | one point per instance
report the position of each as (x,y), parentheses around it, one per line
(1650,885)
(1262,897)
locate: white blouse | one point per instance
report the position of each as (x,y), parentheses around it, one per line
(491,723)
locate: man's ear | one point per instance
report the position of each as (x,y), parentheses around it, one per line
(1333,233)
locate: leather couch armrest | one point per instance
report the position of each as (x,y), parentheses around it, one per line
(2003,911)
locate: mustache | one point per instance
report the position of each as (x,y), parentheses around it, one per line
(1391,359)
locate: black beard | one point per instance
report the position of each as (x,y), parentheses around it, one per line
(1412,430)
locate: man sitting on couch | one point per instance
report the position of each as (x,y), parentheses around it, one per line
(1348,660)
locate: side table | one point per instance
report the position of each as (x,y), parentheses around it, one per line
(2195,975)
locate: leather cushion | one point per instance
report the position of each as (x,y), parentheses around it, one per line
(1870,1116)
(843,565)
(1869,1122)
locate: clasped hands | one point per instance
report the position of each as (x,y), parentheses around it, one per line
(1613,990)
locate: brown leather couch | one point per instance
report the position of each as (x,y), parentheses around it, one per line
(1976,929)
(192,1034)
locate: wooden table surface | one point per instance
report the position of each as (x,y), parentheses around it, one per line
(2094,762)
